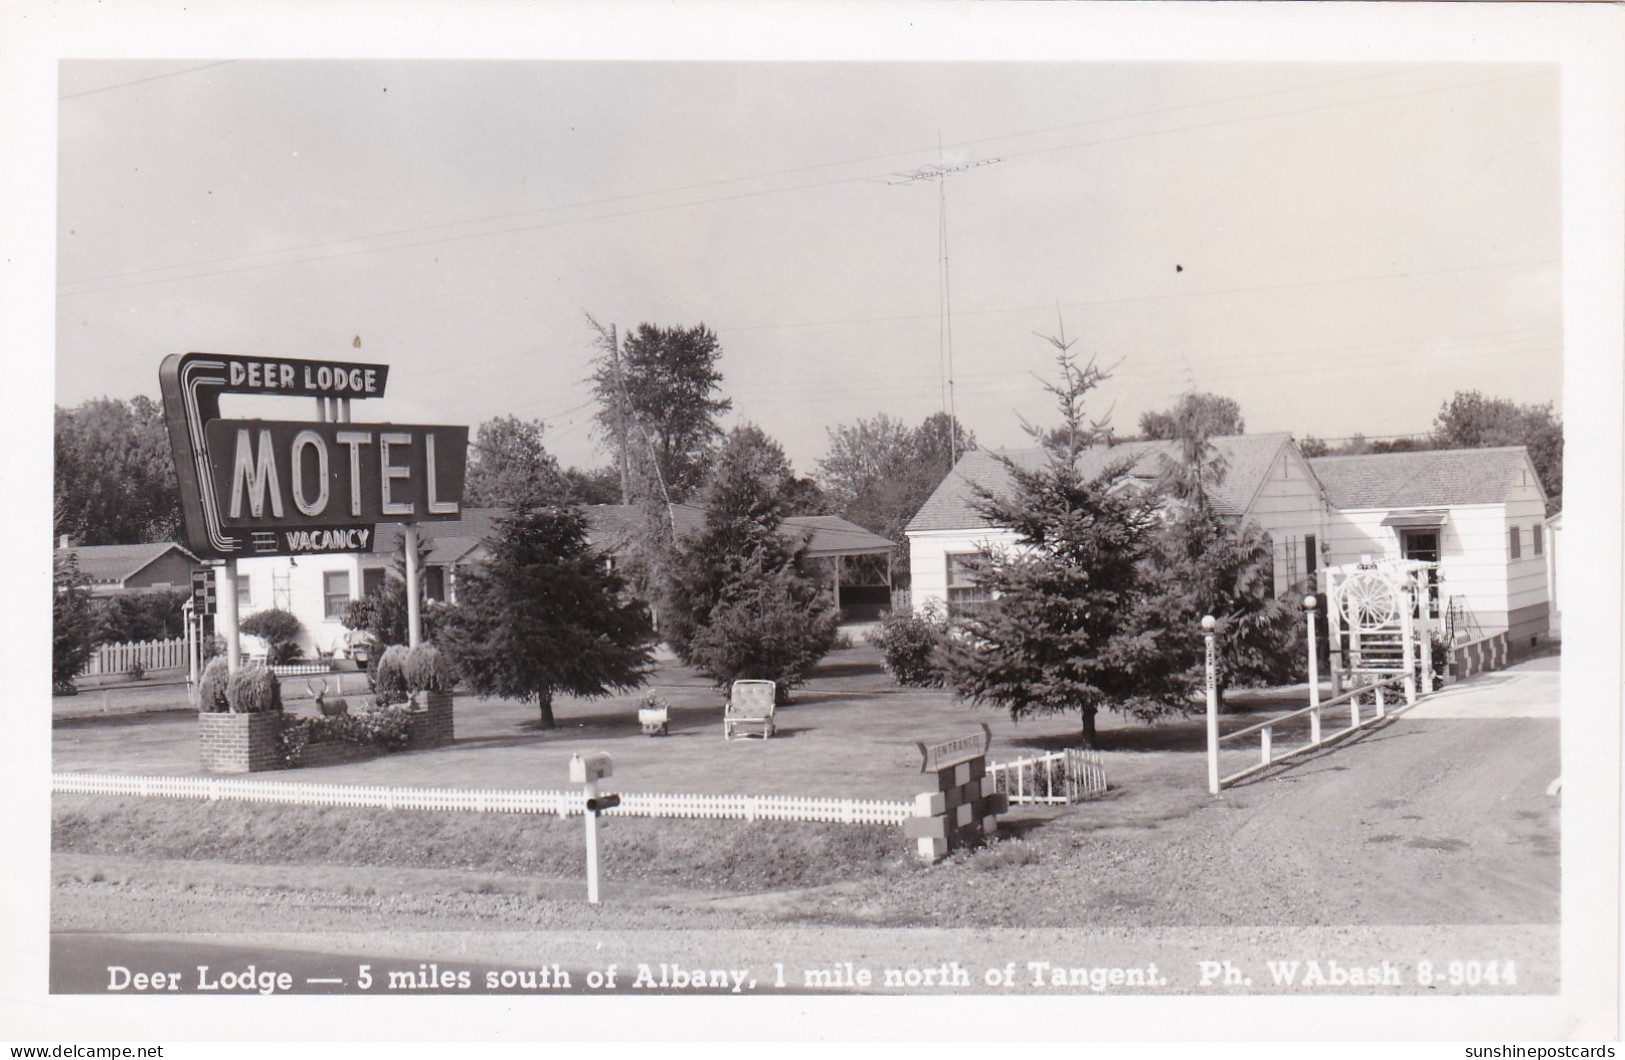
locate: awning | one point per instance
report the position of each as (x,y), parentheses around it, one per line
(1416,519)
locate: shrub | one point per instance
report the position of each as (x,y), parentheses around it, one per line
(426,670)
(385,727)
(138,616)
(387,674)
(279,629)
(137,671)
(253,689)
(762,630)
(909,643)
(214,646)
(211,687)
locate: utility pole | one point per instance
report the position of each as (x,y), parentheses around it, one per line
(620,415)
(945,335)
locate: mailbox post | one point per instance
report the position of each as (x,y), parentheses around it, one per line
(589,769)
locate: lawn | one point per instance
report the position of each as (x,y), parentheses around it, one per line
(850,732)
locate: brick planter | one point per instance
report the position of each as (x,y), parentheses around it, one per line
(240,743)
(430,722)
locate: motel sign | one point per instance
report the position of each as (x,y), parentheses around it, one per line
(271,487)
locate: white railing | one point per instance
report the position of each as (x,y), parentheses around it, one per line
(122,658)
(563,803)
(1387,700)
(1064,777)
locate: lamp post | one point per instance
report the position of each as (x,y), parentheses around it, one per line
(1309,603)
(1208,622)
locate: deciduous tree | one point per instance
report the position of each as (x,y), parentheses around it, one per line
(114,480)
(1469,420)
(509,466)
(1210,415)
(658,397)
(878,472)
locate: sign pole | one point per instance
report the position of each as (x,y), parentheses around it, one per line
(414,608)
(194,635)
(1212,708)
(227,604)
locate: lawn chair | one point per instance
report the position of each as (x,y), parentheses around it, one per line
(750,707)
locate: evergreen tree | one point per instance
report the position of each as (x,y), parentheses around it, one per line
(1057,633)
(1202,563)
(738,603)
(72,620)
(543,615)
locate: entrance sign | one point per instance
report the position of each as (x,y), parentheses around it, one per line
(264,487)
(949,753)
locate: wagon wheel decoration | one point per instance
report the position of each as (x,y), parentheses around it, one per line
(1368,600)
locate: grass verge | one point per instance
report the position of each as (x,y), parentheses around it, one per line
(723,855)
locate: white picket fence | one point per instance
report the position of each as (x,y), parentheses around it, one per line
(121,658)
(1061,778)
(562,803)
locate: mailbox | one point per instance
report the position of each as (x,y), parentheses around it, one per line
(600,803)
(590,768)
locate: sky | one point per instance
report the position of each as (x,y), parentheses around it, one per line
(1337,246)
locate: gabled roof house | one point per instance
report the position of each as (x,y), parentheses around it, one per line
(1478,513)
(112,569)
(1266,481)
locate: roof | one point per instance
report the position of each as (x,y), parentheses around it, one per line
(1430,478)
(830,535)
(1248,459)
(612,525)
(449,540)
(115,564)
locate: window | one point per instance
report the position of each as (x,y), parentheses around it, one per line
(963,592)
(245,595)
(372,581)
(335,592)
(1514,543)
(1420,544)
(434,583)
(1538,532)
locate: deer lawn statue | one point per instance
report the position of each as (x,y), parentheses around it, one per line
(330,708)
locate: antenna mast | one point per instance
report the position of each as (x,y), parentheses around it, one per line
(945,330)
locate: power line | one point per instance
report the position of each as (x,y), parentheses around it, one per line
(703,201)
(144,80)
(731,180)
